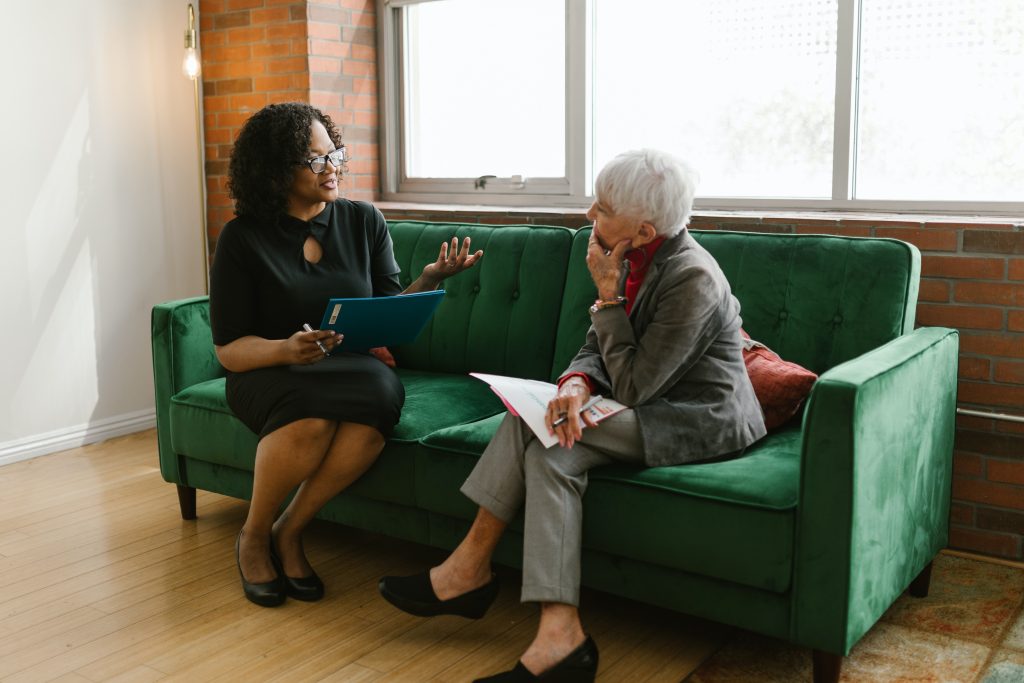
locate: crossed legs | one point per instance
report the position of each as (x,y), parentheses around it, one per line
(321,457)
(516,470)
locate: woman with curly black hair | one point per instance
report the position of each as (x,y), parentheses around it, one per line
(322,414)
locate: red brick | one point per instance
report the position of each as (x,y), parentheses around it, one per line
(967,465)
(988,493)
(974,368)
(217,136)
(324,65)
(278,49)
(926,240)
(365,101)
(214,104)
(273,15)
(268,83)
(959,513)
(1008,371)
(295,29)
(231,20)
(326,100)
(1006,472)
(989,443)
(355,68)
(1006,345)
(232,5)
(328,48)
(285,96)
(212,39)
(252,34)
(287,65)
(963,317)
(364,85)
(996,293)
(364,19)
(993,519)
(365,118)
(234,86)
(1010,427)
(933,290)
(1016,269)
(227,53)
(325,31)
(364,52)
(963,267)
(361,5)
(993,241)
(988,394)
(1015,321)
(249,102)
(986,542)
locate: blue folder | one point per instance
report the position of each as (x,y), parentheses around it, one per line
(380,321)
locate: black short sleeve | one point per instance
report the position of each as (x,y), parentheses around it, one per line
(232,304)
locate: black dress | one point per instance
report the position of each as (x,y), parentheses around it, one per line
(262,285)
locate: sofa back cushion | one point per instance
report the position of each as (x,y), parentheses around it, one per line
(816,300)
(498,317)
(819,300)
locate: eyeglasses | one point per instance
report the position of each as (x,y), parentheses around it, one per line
(319,164)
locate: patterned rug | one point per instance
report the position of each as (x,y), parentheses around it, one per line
(969,629)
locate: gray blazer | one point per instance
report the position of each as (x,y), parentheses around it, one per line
(677,359)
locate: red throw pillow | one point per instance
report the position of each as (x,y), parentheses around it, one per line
(780,386)
(383,354)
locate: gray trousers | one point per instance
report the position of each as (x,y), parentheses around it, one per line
(516,469)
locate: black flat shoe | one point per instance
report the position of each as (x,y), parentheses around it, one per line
(269,594)
(415,595)
(579,666)
(307,588)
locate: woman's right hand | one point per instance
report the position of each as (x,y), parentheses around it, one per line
(301,348)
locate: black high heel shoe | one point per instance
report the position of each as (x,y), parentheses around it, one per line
(269,594)
(579,666)
(415,595)
(306,588)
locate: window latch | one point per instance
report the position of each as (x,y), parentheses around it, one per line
(481,182)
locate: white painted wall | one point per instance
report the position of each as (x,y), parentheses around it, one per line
(100,199)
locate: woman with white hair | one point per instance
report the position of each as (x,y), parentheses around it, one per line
(665,341)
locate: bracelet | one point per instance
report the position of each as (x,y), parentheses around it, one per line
(601,304)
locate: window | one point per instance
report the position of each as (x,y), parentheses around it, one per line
(816,104)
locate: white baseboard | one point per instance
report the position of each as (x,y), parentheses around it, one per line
(72,437)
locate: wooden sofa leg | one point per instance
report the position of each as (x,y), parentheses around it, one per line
(187,501)
(826,667)
(919,586)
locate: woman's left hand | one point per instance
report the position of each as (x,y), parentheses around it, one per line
(451,261)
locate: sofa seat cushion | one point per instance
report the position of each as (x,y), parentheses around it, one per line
(732,520)
(203,426)
(436,400)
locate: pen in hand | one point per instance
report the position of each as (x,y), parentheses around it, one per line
(586,406)
(323,348)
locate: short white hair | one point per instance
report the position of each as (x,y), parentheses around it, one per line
(649,185)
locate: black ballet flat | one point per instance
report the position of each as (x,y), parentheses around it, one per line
(579,666)
(307,588)
(415,595)
(269,594)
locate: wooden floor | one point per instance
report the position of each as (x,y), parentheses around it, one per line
(101,580)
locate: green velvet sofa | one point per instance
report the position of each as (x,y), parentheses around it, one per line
(809,537)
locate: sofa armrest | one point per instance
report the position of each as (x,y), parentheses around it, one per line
(874,485)
(183,355)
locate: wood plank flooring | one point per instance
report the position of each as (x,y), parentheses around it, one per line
(101,580)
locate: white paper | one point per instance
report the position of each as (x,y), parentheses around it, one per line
(529,398)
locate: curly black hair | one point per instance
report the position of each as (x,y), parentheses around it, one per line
(264,160)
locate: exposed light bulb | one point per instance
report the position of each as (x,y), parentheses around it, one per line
(190,65)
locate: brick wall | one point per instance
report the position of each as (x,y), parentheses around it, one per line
(255,52)
(323,51)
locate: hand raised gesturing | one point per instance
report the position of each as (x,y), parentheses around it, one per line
(451,261)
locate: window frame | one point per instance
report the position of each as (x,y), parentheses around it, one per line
(570,190)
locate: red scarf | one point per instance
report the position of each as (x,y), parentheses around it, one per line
(639,261)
